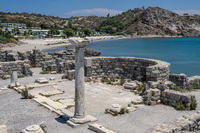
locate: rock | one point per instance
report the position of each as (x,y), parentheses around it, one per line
(33,129)
(91,52)
(194,79)
(6,76)
(130,109)
(131,86)
(3,129)
(155,92)
(71,74)
(52,78)
(115,108)
(138,100)
(42,81)
(43,124)
(53,72)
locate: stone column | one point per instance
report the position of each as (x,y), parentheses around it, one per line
(79,84)
(13,78)
(79,114)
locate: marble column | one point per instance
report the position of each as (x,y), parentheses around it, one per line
(13,78)
(79,84)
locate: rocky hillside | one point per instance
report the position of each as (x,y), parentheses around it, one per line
(142,22)
(161,22)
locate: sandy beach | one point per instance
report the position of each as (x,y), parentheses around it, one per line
(47,44)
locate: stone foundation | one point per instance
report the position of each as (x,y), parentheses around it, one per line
(128,67)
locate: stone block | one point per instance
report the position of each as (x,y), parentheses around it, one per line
(115,108)
(33,129)
(42,81)
(99,129)
(71,74)
(155,92)
(3,129)
(155,98)
(130,109)
(131,86)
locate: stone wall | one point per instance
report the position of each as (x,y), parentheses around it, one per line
(138,68)
(184,124)
(167,97)
(22,67)
(179,80)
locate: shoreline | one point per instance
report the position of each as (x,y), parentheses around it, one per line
(50,44)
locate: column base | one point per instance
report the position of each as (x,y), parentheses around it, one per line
(74,122)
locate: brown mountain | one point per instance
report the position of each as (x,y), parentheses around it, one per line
(142,22)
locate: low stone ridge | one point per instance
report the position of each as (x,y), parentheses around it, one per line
(138,68)
(187,123)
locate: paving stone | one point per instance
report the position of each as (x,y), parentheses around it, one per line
(99,128)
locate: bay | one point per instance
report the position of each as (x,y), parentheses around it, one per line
(182,53)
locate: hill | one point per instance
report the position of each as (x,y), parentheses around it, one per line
(141,22)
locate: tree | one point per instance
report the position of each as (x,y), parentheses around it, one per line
(54,31)
(28,23)
(68,32)
(87,31)
(108,15)
(44,26)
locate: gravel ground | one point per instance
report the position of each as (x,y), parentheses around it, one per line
(17,113)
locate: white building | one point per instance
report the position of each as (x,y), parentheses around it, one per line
(13,25)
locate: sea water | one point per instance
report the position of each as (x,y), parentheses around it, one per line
(182,53)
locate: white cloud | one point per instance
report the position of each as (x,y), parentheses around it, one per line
(191,12)
(97,12)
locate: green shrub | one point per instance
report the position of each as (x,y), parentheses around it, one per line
(31,73)
(122,81)
(104,79)
(122,111)
(115,113)
(20,76)
(64,77)
(69,106)
(141,88)
(196,85)
(180,106)
(193,104)
(106,111)
(178,88)
(44,72)
(43,129)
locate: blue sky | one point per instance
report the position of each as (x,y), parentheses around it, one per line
(68,8)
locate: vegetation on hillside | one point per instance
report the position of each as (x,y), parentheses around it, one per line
(6,37)
(139,21)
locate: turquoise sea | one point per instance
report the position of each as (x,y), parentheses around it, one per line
(182,53)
